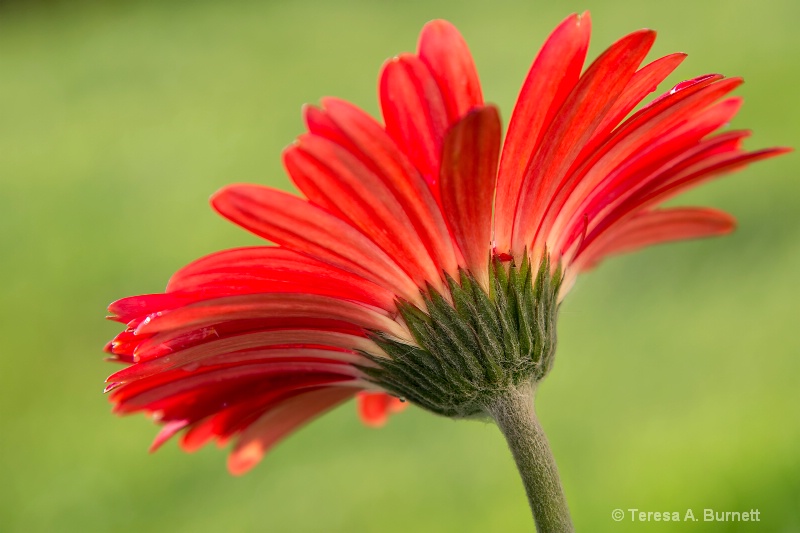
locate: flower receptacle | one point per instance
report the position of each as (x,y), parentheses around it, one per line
(472,346)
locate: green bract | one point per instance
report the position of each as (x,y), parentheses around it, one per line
(473,346)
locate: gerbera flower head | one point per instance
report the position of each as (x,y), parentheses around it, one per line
(426,258)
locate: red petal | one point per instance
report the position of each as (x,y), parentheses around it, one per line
(368,141)
(300,226)
(126,309)
(277,423)
(336,180)
(673,184)
(414,112)
(444,51)
(198,435)
(196,394)
(551,78)
(150,347)
(320,123)
(258,268)
(374,408)
(236,417)
(166,433)
(575,123)
(656,227)
(643,82)
(668,184)
(258,306)
(195,355)
(469,171)
(624,163)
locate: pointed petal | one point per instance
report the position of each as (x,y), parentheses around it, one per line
(320,123)
(271,269)
(643,82)
(261,306)
(339,182)
(469,171)
(198,435)
(673,184)
(657,227)
(673,181)
(368,141)
(625,162)
(167,431)
(414,112)
(126,309)
(574,124)
(277,423)
(194,356)
(551,78)
(292,222)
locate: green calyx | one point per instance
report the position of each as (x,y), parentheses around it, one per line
(473,347)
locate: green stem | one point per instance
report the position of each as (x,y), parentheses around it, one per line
(516,418)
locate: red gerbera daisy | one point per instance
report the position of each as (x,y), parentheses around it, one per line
(425,263)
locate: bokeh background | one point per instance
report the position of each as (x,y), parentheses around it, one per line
(676,382)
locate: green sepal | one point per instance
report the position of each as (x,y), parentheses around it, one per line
(472,345)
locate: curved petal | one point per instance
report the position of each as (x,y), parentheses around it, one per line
(193,395)
(167,431)
(574,124)
(360,134)
(280,421)
(657,227)
(270,269)
(302,227)
(621,166)
(414,112)
(263,306)
(336,180)
(469,171)
(446,54)
(374,407)
(551,78)
(237,416)
(193,356)
(643,82)
(672,181)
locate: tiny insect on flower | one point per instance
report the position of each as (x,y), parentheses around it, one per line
(427,259)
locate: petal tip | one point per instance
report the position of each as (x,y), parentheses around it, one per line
(243,460)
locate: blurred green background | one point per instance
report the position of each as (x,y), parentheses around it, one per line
(676,383)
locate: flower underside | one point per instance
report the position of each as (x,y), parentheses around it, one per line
(473,345)
(427,253)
